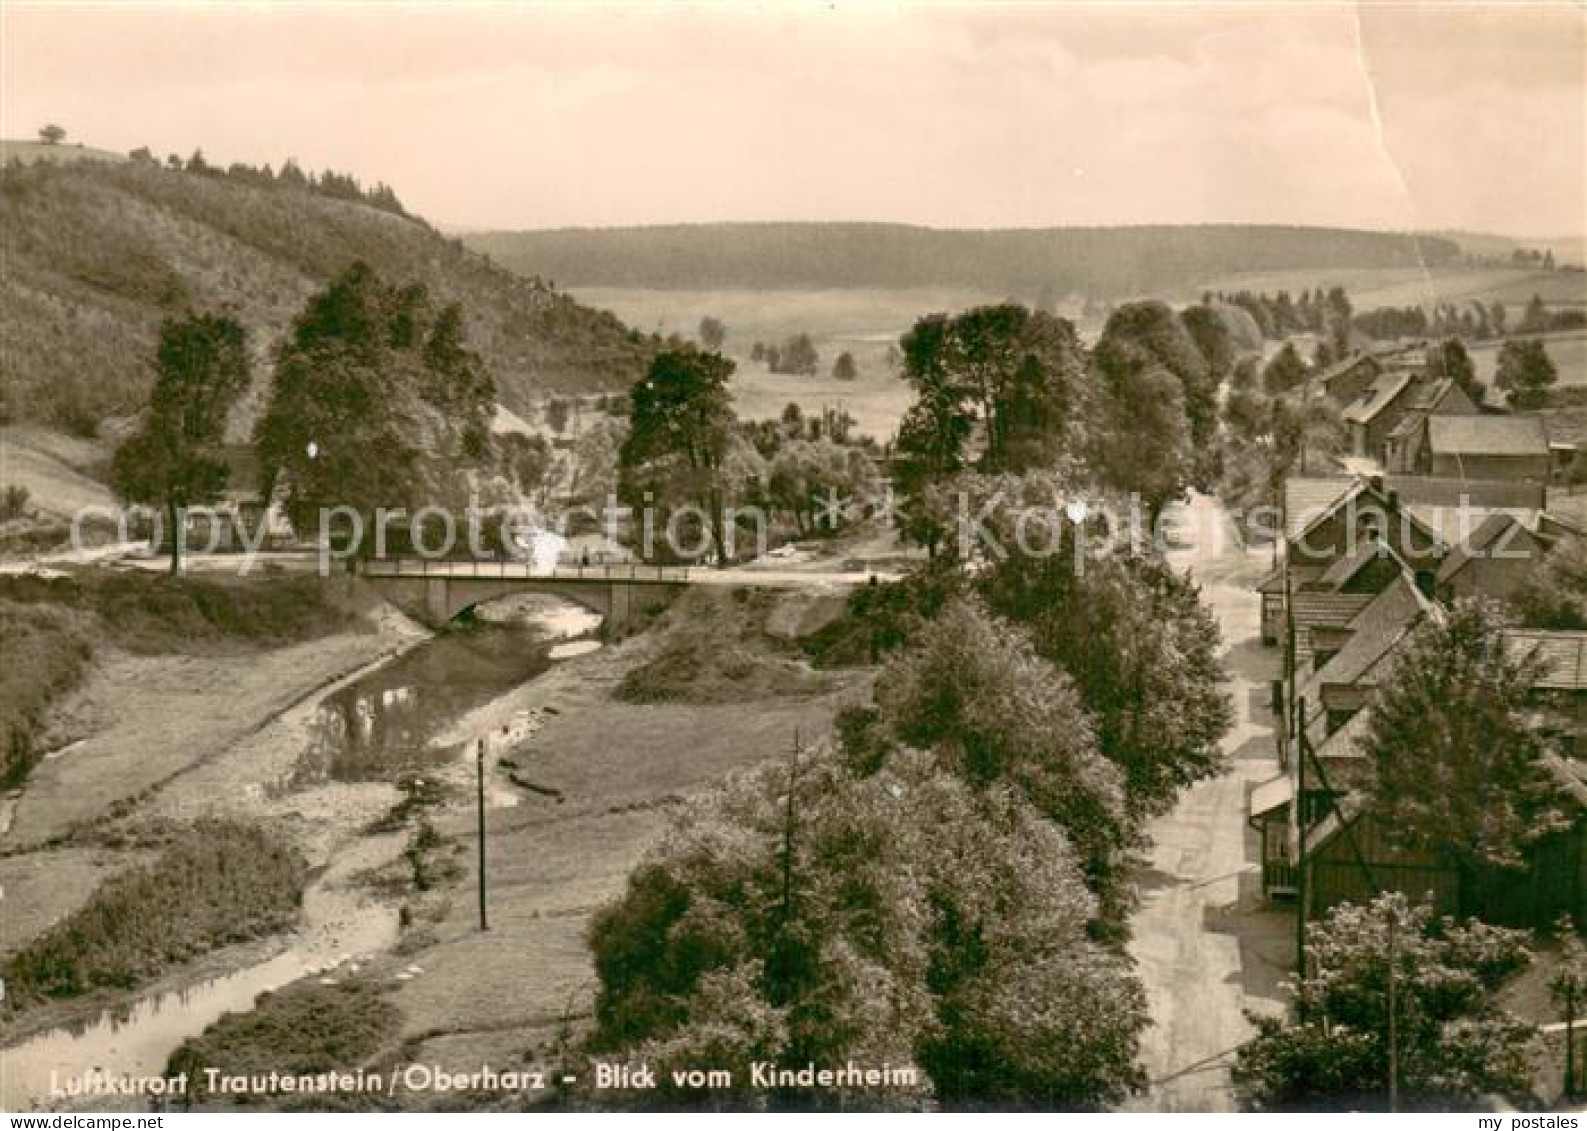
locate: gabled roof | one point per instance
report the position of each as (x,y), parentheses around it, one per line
(1487,435)
(1345,366)
(1384,391)
(1338,575)
(1349,741)
(1375,632)
(1303,510)
(1308,499)
(1489,531)
(1563,656)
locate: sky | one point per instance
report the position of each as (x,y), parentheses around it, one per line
(950,115)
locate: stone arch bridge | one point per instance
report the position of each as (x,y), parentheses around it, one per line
(437,591)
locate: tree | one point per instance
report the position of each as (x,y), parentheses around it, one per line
(1555,595)
(456,381)
(1534,318)
(1210,332)
(972,689)
(527,460)
(174,459)
(1453,1044)
(1568,988)
(1143,445)
(1143,653)
(1336,320)
(680,428)
(797,356)
(808,913)
(52,134)
(557,413)
(373,403)
(1140,336)
(1458,766)
(1284,371)
(1497,315)
(712,333)
(1525,372)
(1449,359)
(844,368)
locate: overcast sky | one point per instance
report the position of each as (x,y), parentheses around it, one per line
(1018,115)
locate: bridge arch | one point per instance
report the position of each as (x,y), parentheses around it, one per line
(438,598)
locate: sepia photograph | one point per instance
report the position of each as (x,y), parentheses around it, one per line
(640,557)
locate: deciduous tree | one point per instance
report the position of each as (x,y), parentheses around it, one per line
(174,459)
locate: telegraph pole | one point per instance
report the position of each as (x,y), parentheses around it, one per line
(479,777)
(1394,1044)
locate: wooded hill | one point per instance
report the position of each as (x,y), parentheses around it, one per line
(97,253)
(1027,264)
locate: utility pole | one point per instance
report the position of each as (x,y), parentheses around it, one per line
(788,834)
(1394,1043)
(1302,895)
(479,777)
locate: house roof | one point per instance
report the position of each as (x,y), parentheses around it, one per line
(1269,795)
(1488,532)
(1327,610)
(1349,741)
(1308,499)
(1375,631)
(1339,573)
(1488,435)
(1563,655)
(1345,367)
(1384,391)
(1448,491)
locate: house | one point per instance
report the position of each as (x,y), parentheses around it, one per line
(1405,448)
(1489,447)
(1345,381)
(1493,562)
(1371,417)
(1351,857)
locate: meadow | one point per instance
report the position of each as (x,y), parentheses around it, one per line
(864,322)
(1371,288)
(1568,351)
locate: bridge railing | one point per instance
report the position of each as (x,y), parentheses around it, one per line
(513,569)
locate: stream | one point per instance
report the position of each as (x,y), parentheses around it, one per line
(410,712)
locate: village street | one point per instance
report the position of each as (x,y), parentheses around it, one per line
(1206,947)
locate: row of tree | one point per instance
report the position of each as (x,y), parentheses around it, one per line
(376,401)
(341,186)
(945,886)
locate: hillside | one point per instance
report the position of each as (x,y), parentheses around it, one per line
(1027,263)
(96,253)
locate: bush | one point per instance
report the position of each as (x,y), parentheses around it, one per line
(43,655)
(305,1029)
(215,883)
(14,502)
(150,614)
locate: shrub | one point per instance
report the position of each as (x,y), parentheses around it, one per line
(214,883)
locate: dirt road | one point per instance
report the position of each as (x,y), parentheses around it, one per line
(1207,949)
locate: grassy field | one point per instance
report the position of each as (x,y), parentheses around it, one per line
(1568,352)
(1371,288)
(863,322)
(28,152)
(615,768)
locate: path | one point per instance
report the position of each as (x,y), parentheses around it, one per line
(1207,948)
